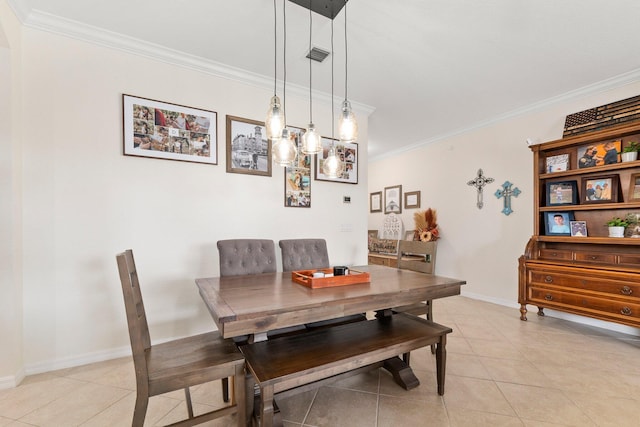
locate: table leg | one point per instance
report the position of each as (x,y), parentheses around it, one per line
(402,373)
(441,362)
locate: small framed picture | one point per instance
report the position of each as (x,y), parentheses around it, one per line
(411,199)
(558,223)
(634,187)
(248,150)
(162,130)
(557,163)
(578,228)
(393,199)
(600,189)
(562,193)
(599,154)
(375,202)
(348,153)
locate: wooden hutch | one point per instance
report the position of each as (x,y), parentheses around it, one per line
(594,275)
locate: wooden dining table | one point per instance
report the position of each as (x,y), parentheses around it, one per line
(255,304)
(252,305)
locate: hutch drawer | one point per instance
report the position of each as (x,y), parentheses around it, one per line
(586,282)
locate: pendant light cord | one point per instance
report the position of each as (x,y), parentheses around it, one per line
(284,54)
(346,55)
(310,71)
(275,49)
(332,55)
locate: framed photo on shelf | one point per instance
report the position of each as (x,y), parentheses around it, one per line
(634,187)
(375,202)
(558,223)
(248,149)
(348,153)
(578,228)
(557,163)
(393,199)
(599,189)
(162,130)
(562,193)
(600,154)
(411,199)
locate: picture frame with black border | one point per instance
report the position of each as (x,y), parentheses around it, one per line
(599,189)
(578,228)
(561,193)
(558,223)
(162,130)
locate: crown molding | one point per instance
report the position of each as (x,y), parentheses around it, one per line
(598,87)
(43,21)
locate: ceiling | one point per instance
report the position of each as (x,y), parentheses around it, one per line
(425,68)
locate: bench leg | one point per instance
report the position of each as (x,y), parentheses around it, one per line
(441,363)
(266,406)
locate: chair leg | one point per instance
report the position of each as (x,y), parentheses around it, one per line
(430,317)
(140,411)
(187,396)
(225,390)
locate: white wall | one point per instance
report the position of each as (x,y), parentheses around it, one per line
(481,246)
(83,201)
(11,371)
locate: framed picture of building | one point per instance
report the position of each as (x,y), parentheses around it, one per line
(248,149)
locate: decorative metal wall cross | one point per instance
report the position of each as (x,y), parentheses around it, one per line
(507,192)
(479,182)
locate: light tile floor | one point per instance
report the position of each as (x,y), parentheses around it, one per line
(500,372)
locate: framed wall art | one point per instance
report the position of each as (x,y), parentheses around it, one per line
(169,131)
(348,154)
(605,153)
(297,178)
(562,193)
(411,199)
(634,187)
(578,228)
(558,223)
(248,149)
(600,189)
(393,199)
(375,202)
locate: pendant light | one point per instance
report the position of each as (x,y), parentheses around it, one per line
(347,125)
(311,143)
(284,150)
(275,115)
(332,166)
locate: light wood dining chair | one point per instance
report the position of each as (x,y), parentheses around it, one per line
(306,254)
(177,364)
(421,257)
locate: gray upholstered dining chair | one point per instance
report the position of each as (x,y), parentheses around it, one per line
(240,257)
(177,364)
(304,254)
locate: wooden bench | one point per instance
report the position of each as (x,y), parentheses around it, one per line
(304,361)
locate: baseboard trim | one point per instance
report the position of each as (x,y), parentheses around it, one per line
(72,361)
(12,380)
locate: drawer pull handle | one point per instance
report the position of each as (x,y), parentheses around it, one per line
(594,257)
(554,254)
(626,311)
(626,290)
(549,297)
(548,279)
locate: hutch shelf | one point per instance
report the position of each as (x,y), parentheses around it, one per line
(593,275)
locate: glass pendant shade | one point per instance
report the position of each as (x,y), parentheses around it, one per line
(275,119)
(284,150)
(311,143)
(347,125)
(333,166)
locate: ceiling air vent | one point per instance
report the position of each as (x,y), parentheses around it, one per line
(317,54)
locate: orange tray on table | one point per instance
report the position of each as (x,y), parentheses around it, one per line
(305,277)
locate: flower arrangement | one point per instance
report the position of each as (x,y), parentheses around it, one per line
(426,225)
